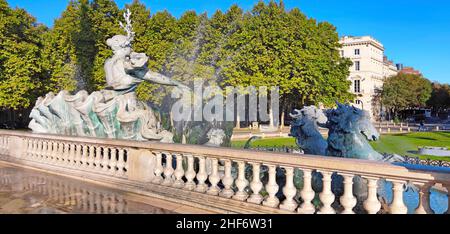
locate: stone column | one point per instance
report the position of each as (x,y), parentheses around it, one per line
(214,178)
(227,181)
(326,196)
(397,205)
(307,194)
(289,191)
(201,176)
(168,171)
(158,169)
(241,183)
(371,204)
(347,200)
(179,172)
(190,174)
(272,188)
(256,185)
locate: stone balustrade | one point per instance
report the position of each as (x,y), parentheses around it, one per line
(218,175)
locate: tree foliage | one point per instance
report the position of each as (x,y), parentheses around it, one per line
(21,66)
(440,97)
(405,91)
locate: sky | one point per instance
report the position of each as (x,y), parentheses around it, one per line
(414,32)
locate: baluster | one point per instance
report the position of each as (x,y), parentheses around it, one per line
(105,161)
(326,196)
(201,176)
(158,169)
(126,161)
(307,194)
(2,145)
(190,174)
(91,157)
(241,183)
(227,181)
(397,206)
(347,200)
(39,150)
(54,152)
(77,159)
(71,160)
(28,147)
(113,162)
(98,158)
(44,151)
(289,191)
(424,199)
(66,153)
(179,172)
(256,185)
(120,205)
(214,178)
(112,201)
(91,202)
(34,148)
(60,153)
(272,188)
(121,163)
(49,151)
(105,203)
(84,156)
(98,203)
(85,201)
(168,170)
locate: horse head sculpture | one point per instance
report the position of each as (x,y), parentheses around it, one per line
(305,128)
(350,131)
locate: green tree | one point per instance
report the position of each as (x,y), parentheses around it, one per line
(160,38)
(405,91)
(440,97)
(285,49)
(69,49)
(21,70)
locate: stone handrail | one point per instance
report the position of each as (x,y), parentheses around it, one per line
(208,171)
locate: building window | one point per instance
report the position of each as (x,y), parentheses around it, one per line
(342,53)
(356,51)
(357,85)
(357,66)
(358,102)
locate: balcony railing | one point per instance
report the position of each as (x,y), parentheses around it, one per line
(216,177)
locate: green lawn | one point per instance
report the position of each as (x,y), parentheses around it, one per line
(267,142)
(402,144)
(407,144)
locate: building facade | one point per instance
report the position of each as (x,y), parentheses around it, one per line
(370,68)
